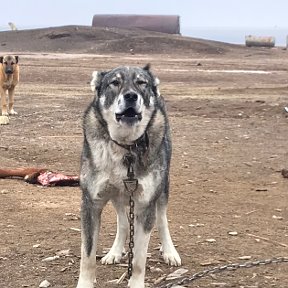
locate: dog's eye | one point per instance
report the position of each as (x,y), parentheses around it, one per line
(12,63)
(141,82)
(115,82)
(5,62)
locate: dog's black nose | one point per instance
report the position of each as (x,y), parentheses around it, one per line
(9,71)
(131,97)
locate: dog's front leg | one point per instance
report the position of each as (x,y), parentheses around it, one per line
(11,101)
(143,224)
(90,226)
(3,102)
(115,253)
(170,255)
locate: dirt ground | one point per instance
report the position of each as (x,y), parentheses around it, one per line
(230,136)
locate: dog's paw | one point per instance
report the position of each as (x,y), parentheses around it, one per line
(135,283)
(5,113)
(13,112)
(4,120)
(111,258)
(85,284)
(172,258)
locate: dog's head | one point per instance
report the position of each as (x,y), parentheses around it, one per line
(126,98)
(9,63)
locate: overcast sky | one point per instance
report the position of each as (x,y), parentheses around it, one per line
(194,13)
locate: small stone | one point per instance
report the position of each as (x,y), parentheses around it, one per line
(156,270)
(211,240)
(63,252)
(277,217)
(44,284)
(52,258)
(233,233)
(213,191)
(284,173)
(177,274)
(219,284)
(196,225)
(245,257)
(75,229)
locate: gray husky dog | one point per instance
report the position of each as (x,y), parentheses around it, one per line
(127,116)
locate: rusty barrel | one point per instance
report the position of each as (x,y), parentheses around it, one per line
(256,41)
(158,23)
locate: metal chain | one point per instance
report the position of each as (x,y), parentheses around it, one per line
(131,185)
(228,267)
(131,238)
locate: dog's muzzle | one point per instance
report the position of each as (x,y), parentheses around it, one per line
(129,115)
(9,71)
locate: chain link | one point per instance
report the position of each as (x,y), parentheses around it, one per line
(131,185)
(131,238)
(228,267)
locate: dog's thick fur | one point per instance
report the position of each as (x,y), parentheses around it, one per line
(9,78)
(127,113)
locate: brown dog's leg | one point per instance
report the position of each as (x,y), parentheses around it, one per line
(3,102)
(11,101)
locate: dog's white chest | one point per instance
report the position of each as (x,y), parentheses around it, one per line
(109,162)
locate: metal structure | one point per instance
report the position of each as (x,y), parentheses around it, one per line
(255,41)
(159,23)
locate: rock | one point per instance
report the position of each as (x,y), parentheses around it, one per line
(52,258)
(44,284)
(177,274)
(156,270)
(284,173)
(277,217)
(245,257)
(63,252)
(75,229)
(233,233)
(210,240)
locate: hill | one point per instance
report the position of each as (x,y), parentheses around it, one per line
(86,39)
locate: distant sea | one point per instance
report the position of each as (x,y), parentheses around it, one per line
(236,35)
(223,34)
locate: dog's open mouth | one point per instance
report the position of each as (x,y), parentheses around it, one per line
(129,115)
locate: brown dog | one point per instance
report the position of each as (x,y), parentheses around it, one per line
(9,78)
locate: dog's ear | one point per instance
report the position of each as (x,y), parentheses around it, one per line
(156,80)
(147,67)
(1,59)
(156,86)
(17,59)
(96,80)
